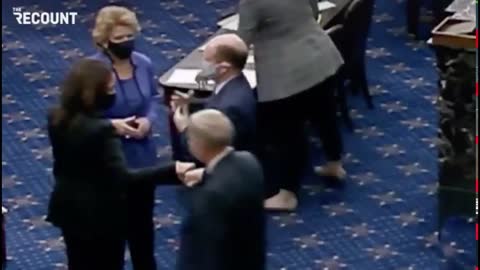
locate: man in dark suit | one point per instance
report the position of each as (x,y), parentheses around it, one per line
(225,226)
(225,57)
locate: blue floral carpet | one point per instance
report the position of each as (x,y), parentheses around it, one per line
(385,217)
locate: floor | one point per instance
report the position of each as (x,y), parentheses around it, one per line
(384,218)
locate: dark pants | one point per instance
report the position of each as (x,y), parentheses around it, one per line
(141,229)
(94,250)
(284,141)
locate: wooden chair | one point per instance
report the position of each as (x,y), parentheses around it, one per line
(337,35)
(357,21)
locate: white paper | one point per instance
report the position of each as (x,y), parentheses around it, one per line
(251,77)
(4,210)
(230,23)
(325,5)
(250,59)
(228,20)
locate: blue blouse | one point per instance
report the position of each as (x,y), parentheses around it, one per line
(135,97)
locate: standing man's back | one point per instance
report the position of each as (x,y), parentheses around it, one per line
(225,225)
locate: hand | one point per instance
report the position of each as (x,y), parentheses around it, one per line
(180,99)
(193,177)
(123,126)
(143,128)
(181,168)
(180,118)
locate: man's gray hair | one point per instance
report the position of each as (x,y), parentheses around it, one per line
(212,127)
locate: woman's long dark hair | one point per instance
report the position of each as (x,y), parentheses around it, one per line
(85,81)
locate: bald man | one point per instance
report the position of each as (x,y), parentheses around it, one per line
(225,224)
(224,59)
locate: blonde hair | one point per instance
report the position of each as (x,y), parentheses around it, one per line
(109,17)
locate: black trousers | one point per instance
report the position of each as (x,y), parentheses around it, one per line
(284,142)
(94,250)
(141,228)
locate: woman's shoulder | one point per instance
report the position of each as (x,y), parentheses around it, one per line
(83,127)
(140,58)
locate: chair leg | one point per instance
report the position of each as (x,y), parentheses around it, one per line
(413,16)
(363,84)
(342,101)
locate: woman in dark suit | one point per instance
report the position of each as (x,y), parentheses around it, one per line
(89,199)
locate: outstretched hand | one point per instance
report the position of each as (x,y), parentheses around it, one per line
(193,177)
(181,168)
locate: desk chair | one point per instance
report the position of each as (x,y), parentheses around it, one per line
(337,34)
(357,21)
(413,14)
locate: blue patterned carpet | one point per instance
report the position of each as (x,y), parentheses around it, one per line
(385,217)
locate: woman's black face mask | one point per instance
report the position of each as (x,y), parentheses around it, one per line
(122,50)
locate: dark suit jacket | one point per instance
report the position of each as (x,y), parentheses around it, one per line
(237,101)
(225,226)
(91,176)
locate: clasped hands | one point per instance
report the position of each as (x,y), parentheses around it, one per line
(132,127)
(188,174)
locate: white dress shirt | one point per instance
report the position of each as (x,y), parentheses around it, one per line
(219,86)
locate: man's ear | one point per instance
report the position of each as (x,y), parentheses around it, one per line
(225,64)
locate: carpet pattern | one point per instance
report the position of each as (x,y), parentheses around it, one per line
(385,217)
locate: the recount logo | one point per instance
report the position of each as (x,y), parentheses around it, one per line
(24,17)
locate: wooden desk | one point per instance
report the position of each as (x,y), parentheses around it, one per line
(193,61)
(456,108)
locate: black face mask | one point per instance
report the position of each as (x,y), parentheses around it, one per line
(105,101)
(122,50)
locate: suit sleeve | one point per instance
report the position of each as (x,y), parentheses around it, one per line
(207,220)
(115,163)
(153,106)
(240,128)
(248,20)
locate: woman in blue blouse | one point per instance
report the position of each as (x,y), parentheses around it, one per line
(114,34)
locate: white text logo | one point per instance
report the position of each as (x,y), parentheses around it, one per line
(44,17)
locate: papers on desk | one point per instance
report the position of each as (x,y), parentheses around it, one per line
(325,5)
(251,77)
(250,59)
(187,76)
(230,23)
(460,5)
